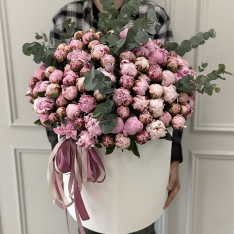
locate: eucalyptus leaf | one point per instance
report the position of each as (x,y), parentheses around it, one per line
(151,15)
(150,29)
(98,145)
(171,46)
(38,122)
(108,125)
(186,45)
(64,121)
(195,41)
(217,90)
(103,109)
(109,150)
(41,94)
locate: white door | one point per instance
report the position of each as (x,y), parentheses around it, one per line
(204,204)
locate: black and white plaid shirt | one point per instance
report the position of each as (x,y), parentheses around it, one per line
(84,13)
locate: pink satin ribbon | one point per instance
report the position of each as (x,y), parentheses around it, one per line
(83,165)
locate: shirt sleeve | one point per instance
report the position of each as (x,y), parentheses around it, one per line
(176,149)
(52,137)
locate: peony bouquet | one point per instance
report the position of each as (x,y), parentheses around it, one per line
(116,86)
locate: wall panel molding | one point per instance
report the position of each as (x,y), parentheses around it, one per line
(18,154)
(202,26)
(195,156)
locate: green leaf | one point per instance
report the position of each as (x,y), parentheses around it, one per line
(171,46)
(116,25)
(204,65)
(109,150)
(201,36)
(228,73)
(150,29)
(186,45)
(209,90)
(151,15)
(45,37)
(38,122)
(108,125)
(205,81)
(126,10)
(217,90)
(195,41)
(134,148)
(66,23)
(211,32)
(98,145)
(180,50)
(221,69)
(167,137)
(142,37)
(206,35)
(113,40)
(41,94)
(212,76)
(47,122)
(103,15)
(64,121)
(49,60)
(185,84)
(104,108)
(38,37)
(200,69)
(70,30)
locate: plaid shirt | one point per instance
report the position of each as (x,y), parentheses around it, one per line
(82,13)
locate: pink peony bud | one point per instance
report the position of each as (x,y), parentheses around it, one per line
(192,95)
(183,97)
(108,140)
(79,123)
(174,109)
(122,141)
(99,51)
(69,92)
(188,116)
(122,97)
(161,56)
(73,111)
(92,44)
(132,126)
(43,105)
(86,140)
(108,62)
(112,77)
(70,78)
(40,72)
(143,76)
(98,35)
(151,46)
(123,112)
(36,89)
(156,107)
(53,118)
(141,86)
(155,73)
(49,71)
(76,44)
(68,49)
(127,55)
(165,118)
(156,129)
(99,97)
(67,68)
(141,52)
(43,118)
(142,64)
(43,86)
(84,70)
(87,103)
(142,137)
(140,103)
(178,122)
(92,125)
(124,33)
(185,109)
(78,35)
(61,46)
(191,103)
(146,117)
(127,68)
(170,93)
(126,81)
(167,78)
(80,84)
(193,73)
(119,126)
(32,82)
(156,91)
(53,90)
(61,112)
(172,54)
(87,37)
(56,77)
(172,64)
(60,55)
(159,43)
(61,101)
(76,65)
(30,99)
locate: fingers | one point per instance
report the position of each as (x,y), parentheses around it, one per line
(172,181)
(172,194)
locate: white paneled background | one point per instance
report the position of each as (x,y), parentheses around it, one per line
(204,204)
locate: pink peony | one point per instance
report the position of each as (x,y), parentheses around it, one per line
(119,126)
(143,76)
(49,71)
(174,109)
(192,95)
(141,52)
(36,89)
(122,141)
(173,54)
(86,140)
(127,68)
(142,64)
(43,86)
(123,112)
(126,81)
(165,118)
(99,97)
(53,118)
(87,103)
(168,78)
(61,112)
(151,46)
(69,92)
(70,78)
(76,44)
(108,140)
(61,101)
(124,33)
(170,93)
(30,99)
(43,118)
(112,76)
(156,129)
(92,125)
(159,43)
(155,73)
(53,90)
(122,97)
(79,123)
(132,126)
(81,55)
(108,62)
(56,77)
(156,107)
(188,116)
(140,103)
(60,55)
(87,37)
(84,70)
(191,103)
(193,73)
(40,72)
(76,65)
(98,35)
(161,56)
(80,84)
(183,97)
(142,137)
(127,55)
(68,49)
(156,91)
(172,64)
(67,129)
(185,108)
(61,46)
(92,44)
(178,122)
(43,105)
(78,35)
(141,86)
(73,111)
(145,117)
(67,68)
(99,51)
(178,75)
(32,82)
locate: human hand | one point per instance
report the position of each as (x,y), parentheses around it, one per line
(174,183)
